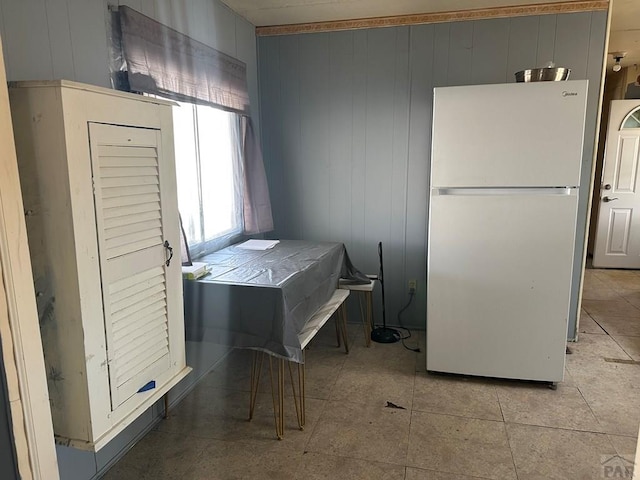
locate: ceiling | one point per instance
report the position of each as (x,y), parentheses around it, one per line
(625,22)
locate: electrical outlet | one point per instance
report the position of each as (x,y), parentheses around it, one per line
(412,285)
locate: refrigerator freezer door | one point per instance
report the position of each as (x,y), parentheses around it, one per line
(523,134)
(499,280)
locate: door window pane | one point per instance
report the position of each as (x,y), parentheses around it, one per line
(632,120)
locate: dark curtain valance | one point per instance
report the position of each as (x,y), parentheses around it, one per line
(159,60)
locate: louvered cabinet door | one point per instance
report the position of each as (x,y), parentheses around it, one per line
(133,225)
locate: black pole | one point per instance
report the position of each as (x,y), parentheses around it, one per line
(383,334)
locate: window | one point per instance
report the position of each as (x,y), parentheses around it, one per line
(632,120)
(209,174)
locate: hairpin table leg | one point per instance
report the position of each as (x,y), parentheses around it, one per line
(256,368)
(165,398)
(343,325)
(278,405)
(298,398)
(364,299)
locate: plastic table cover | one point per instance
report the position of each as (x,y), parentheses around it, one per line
(262,299)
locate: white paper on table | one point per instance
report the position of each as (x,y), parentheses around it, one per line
(254,244)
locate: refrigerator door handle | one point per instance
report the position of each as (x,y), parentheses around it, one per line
(507,191)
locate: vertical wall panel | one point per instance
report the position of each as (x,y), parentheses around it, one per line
(361,253)
(594,63)
(224,20)
(439,59)
(572,36)
(394,249)
(423,73)
(135,4)
(287,139)
(460,53)
(148,8)
(381,76)
(392,77)
(341,134)
(245,46)
(173,14)
(314,154)
(60,39)
(269,51)
(490,51)
(595,57)
(87,25)
(26,40)
(523,45)
(199,15)
(546,39)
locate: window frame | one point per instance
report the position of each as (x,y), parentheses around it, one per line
(225,238)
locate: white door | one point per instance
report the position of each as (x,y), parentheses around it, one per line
(132,229)
(618,230)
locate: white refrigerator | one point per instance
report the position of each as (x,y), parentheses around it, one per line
(504,188)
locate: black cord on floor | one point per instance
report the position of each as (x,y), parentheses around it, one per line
(413,349)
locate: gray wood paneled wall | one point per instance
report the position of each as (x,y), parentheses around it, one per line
(52,39)
(347,123)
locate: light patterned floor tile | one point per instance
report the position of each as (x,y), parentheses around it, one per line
(618,324)
(319,466)
(610,307)
(557,454)
(362,431)
(589,325)
(456,396)
(221,460)
(159,456)
(538,405)
(594,345)
(631,345)
(223,415)
(420,474)
(460,445)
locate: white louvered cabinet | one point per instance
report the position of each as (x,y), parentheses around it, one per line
(98,180)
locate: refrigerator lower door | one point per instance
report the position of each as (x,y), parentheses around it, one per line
(498,283)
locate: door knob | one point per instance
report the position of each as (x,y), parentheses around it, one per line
(607,186)
(607,199)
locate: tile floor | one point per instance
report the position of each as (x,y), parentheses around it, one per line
(450,427)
